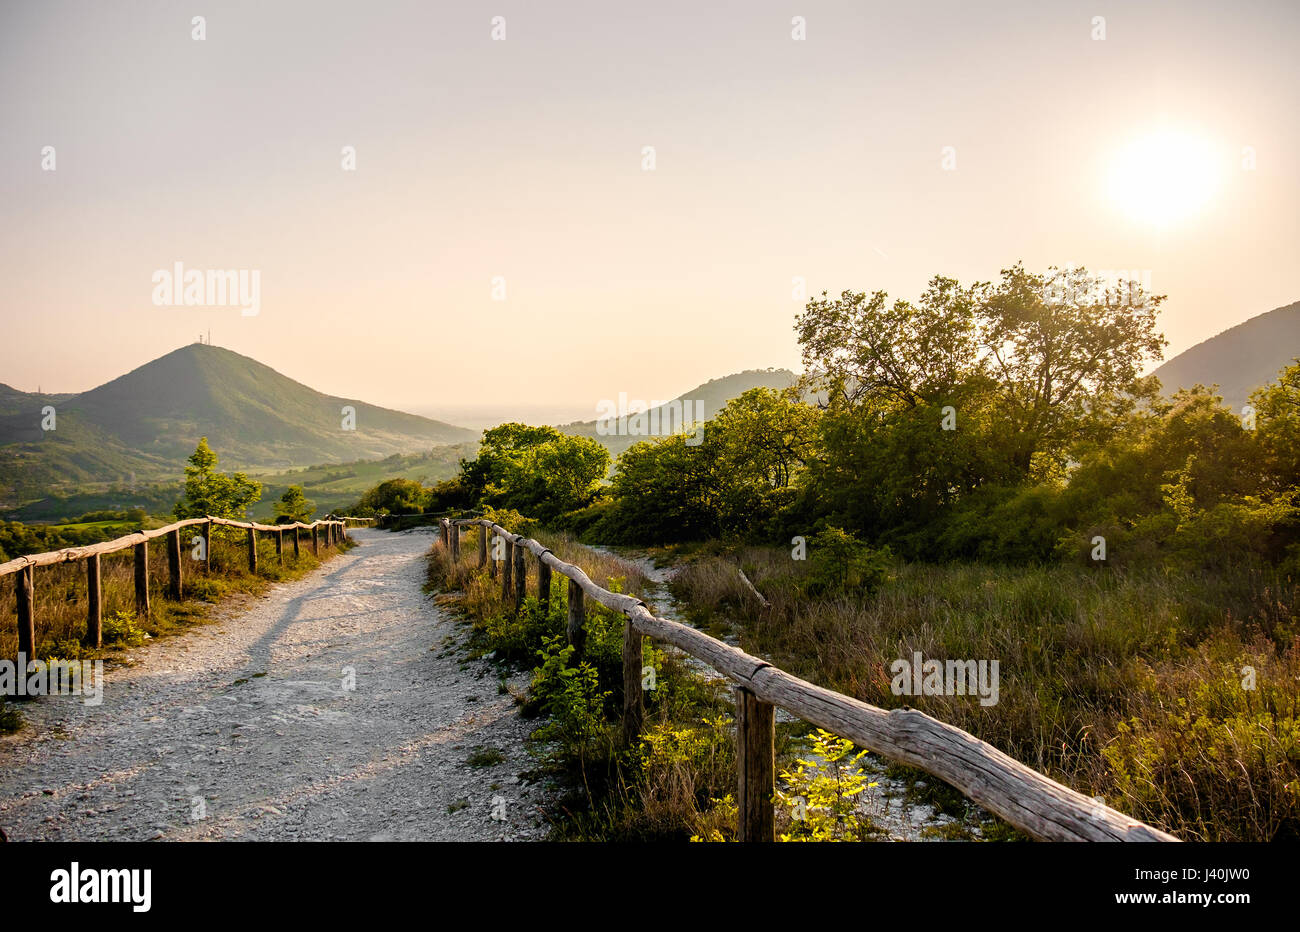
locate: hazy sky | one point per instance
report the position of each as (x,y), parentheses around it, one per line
(522,158)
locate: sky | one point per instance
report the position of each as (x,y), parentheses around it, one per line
(892,143)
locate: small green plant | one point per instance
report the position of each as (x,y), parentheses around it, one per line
(120,630)
(485,757)
(823,794)
(10,719)
(840,564)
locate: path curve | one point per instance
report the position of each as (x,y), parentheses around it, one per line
(246,723)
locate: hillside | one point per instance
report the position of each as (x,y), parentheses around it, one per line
(142,425)
(1240,359)
(710,397)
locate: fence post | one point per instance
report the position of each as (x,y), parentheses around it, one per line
(633,702)
(756,767)
(482,546)
(142,578)
(279,546)
(521,573)
(25,590)
(295,542)
(544,583)
(175,581)
(95,604)
(252,550)
(207,550)
(492,563)
(455,541)
(507,566)
(315,540)
(575,626)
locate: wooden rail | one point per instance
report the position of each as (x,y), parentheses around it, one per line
(1035,804)
(334,528)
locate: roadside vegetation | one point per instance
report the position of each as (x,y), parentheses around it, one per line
(984,474)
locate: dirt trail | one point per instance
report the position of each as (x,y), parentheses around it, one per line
(242,729)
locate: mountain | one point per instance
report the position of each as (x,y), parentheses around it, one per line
(1240,359)
(144,424)
(708,398)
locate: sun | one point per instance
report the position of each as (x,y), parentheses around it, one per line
(1165,177)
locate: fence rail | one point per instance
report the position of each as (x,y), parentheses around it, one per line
(334,528)
(1030,801)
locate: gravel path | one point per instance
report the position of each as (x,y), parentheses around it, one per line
(242,729)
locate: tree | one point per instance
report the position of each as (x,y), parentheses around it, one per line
(294,506)
(393,496)
(536,471)
(208,492)
(1063,347)
(1277,413)
(1040,356)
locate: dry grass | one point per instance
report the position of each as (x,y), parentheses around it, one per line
(1125,685)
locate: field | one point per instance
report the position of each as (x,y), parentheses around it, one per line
(1171,695)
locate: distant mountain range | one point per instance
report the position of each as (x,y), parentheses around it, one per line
(141,427)
(1240,359)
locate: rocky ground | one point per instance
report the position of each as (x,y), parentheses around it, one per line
(335,707)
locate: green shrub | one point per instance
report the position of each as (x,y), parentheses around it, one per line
(120,630)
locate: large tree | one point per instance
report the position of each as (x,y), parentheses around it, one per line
(1038,359)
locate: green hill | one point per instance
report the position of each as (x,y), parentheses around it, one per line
(1240,359)
(142,425)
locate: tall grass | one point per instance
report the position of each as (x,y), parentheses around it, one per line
(1127,685)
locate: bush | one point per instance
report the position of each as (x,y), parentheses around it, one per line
(120,630)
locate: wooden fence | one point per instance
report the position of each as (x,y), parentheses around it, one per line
(333,529)
(1040,807)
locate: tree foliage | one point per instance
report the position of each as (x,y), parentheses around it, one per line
(208,492)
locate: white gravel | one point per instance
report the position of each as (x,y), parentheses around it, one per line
(181,750)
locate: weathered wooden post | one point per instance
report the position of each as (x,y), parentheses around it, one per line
(507,566)
(455,540)
(575,626)
(142,578)
(279,546)
(315,540)
(175,580)
(252,550)
(492,562)
(482,546)
(25,590)
(207,546)
(544,582)
(295,542)
(94,604)
(756,767)
(521,573)
(633,702)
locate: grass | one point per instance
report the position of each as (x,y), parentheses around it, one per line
(1124,684)
(485,757)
